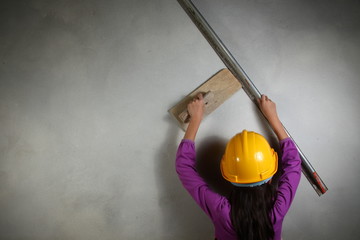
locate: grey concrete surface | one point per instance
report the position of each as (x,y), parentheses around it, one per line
(87,147)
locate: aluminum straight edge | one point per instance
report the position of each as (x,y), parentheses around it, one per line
(248,86)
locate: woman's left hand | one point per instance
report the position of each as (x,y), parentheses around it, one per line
(196,108)
(196,112)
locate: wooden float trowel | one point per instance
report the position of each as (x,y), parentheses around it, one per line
(216,90)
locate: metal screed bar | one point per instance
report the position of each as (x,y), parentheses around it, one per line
(248,86)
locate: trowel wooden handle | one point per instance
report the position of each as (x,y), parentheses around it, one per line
(184,116)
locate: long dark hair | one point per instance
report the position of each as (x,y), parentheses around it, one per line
(250,211)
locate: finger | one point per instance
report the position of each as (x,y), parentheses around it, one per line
(196,97)
(263,97)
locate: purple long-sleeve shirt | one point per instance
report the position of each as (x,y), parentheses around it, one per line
(217,207)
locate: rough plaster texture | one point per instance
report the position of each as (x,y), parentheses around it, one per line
(87,147)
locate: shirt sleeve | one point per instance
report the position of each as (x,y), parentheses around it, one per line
(208,200)
(290,177)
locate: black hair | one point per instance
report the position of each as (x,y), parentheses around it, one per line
(250,211)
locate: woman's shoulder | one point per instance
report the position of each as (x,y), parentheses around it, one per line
(222,207)
(222,221)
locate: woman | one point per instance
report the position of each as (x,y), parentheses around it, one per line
(254,210)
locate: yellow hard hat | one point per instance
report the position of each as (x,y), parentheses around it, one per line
(248,160)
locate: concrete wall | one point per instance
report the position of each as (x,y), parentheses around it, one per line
(87,147)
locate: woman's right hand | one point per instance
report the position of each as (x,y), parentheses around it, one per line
(268,108)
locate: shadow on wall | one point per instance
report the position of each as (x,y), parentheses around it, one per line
(209,154)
